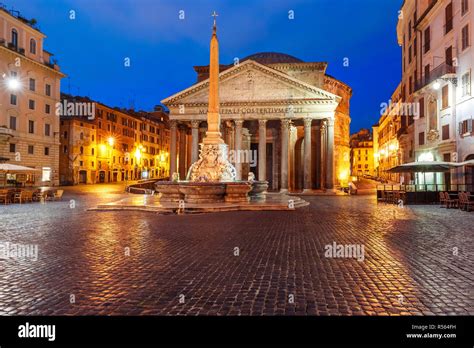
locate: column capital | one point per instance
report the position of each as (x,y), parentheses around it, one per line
(262,123)
(195,123)
(285,123)
(173,124)
(239,123)
(330,122)
(307,121)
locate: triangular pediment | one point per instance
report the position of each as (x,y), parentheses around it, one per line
(251,81)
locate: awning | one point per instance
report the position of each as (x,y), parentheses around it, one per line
(13,168)
(428,167)
(423,167)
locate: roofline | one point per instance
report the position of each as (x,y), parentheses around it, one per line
(250,61)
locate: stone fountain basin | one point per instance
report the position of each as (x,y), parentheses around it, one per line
(169,191)
(259,188)
(203,192)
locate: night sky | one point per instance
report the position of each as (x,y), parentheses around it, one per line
(163,48)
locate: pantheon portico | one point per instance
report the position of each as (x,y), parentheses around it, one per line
(285,120)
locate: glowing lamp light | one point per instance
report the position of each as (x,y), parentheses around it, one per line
(138,154)
(343,175)
(426,157)
(111,141)
(13,84)
(436,85)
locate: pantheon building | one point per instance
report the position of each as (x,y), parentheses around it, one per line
(284,119)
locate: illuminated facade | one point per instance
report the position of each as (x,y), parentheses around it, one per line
(287,115)
(436,40)
(30,88)
(112,146)
(362,153)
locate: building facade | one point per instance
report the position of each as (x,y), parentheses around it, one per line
(30,89)
(284,120)
(362,153)
(436,39)
(113,145)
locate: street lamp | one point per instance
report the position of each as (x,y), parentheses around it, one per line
(436,86)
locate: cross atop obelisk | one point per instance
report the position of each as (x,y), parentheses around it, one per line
(213,134)
(214,14)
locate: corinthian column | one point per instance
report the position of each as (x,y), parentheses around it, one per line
(307,154)
(285,135)
(330,163)
(173,136)
(317,175)
(195,140)
(262,150)
(238,148)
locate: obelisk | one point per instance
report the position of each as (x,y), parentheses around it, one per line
(213,134)
(213,164)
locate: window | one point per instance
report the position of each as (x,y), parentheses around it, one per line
(32,46)
(448,53)
(464,7)
(421,138)
(47,90)
(13,99)
(445,132)
(409,55)
(81,136)
(14,38)
(466,127)
(448,18)
(421,104)
(13,122)
(359,166)
(445,95)
(12,147)
(465,37)
(47,129)
(65,134)
(427,73)
(82,150)
(409,30)
(65,149)
(31,127)
(31,149)
(414,48)
(92,151)
(410,85)
(31,104)
(46,151)
(427,39)
(466,84)
(47,108)
(32,84)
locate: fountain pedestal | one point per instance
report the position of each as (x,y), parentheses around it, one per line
(237,192)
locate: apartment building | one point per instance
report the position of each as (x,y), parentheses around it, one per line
(436,39)
(114,145)
(362,153)
(30,89)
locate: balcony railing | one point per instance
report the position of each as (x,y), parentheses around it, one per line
(438,72)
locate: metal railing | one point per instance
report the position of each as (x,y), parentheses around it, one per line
(438,72)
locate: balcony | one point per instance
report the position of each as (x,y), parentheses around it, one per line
(5,134)
(441,71)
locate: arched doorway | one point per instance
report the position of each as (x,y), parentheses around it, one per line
(298,170)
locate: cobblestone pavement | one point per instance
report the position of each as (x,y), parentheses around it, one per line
(418,260)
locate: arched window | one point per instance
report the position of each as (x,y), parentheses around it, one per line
(82,150)
(32,46)
(14,38)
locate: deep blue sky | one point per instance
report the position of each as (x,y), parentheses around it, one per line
(163,49)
